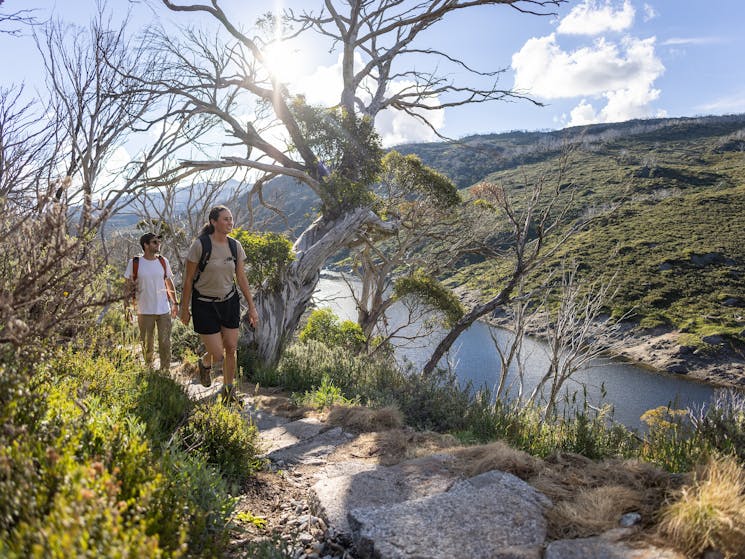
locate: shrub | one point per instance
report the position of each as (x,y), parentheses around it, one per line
(721,424)
(325,327)
(184,340)
(709,512)
(44,299)
(325,396)
(86,519)
(267,257)
(670,441)
(224,439)
(190,505)
(162,404)
(79,477)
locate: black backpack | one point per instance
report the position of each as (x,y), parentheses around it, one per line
(207,252)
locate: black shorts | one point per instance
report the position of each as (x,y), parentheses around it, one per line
(210,317)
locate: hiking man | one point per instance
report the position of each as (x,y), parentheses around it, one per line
(151,291)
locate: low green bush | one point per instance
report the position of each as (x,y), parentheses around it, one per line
(324,397)
(671,441)
(86,469)
(325,327)
(223,438)
(86,518)
(184,341)
(191,506)
(162,404)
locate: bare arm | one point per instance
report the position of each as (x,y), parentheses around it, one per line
(240,276)
(191,270)
(171,292)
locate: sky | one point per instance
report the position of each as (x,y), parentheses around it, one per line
(595,61)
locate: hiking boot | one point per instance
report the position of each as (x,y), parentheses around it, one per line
(204,374)
(229,397)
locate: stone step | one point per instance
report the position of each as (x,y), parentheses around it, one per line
(305,441)
(364,485)
(494,515)
(263,420)
(420,509)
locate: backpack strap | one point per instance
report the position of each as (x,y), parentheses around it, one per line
(207,252)
(136,267)
(165,270)
(233,244)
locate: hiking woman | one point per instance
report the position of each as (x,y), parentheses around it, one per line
(214,264)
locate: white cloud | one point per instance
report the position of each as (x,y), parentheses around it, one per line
(592,18)
(649,12)
(584,113)
(676,41)
(734,103)
(543,69)
(621,74)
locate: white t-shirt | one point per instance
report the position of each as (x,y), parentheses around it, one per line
(152,297)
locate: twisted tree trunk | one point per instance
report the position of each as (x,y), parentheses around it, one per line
(280,311)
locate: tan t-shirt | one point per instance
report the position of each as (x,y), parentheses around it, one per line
(218,277)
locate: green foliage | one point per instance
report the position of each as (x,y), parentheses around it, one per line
(411,176)
(325,396)
(325,327)
(220,435)
(199,495)
(348,145)
(267,257)
(670,441)
(162,404)
(432,292)
(184,341)
(84,467)
(86,519)
(248,518)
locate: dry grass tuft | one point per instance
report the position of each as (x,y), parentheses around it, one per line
(592,511)
(282,406)
(709,512)
(393,446)
(567,476)
(364,420)
(475,460)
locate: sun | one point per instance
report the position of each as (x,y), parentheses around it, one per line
(284,61)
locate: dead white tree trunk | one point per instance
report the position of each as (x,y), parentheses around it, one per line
(281,310)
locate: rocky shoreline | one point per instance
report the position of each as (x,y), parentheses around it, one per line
(659,350)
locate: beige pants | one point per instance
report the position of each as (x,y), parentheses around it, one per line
(147,323)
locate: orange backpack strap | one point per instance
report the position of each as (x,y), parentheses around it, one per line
(165,270)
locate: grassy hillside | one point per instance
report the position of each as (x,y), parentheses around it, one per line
(676,240)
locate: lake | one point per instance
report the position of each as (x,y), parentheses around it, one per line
(630,389)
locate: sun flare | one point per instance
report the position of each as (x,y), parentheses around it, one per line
(283,61)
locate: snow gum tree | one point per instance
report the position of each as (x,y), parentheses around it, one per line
(334,151)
